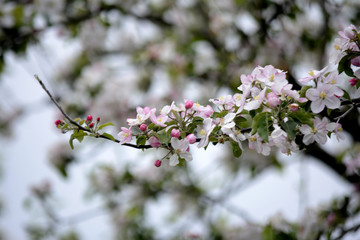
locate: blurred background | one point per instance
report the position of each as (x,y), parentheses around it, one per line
(105,58)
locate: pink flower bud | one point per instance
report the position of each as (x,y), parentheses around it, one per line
(146,110)
(294,107)
(154,142)
(191,138)
(143,127)
(356,61)
(175,133)
(58,122)
(273,99)
(89,118)
(157,163)
(91,125)
(98,119)
(353,81)
(189,104)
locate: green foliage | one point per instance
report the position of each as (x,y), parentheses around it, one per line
(290,127)
(345,63)
(261,124)
(235,149)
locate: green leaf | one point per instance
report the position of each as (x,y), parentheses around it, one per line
(151,126)
(109,136)
(346,94)
(71,141)
(141,140)
(345,63)
(303,90)
(105,125)
(261,124)
(81,122)
(236,149)
(301,116)
(357,84)
(290,127)
(79,135)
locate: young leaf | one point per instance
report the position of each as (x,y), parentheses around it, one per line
(141,140)
(236,149)
(108,136)
(261,124)
(290,128)
(105,125)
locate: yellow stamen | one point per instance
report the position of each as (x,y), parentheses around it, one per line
(238,97)
(221,98)
(197,104)
(322,95)
(256,98)
(311,73)
(314,130)
(202,132)
(159,119)
(337,47)
(333,81)
(222,120)
(272,78)
(126,135)
(252,139)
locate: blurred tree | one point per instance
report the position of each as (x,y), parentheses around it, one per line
(131,53)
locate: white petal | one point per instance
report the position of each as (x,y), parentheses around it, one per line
(174,160)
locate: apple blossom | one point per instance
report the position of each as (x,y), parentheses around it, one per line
(189,104)
(157,163)
(318,133)
(180,150)
(125,135)
(154,142)
(323,95)
(204,132)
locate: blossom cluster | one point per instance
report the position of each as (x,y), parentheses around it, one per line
(266,112)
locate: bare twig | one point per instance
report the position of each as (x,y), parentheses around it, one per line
(81,127)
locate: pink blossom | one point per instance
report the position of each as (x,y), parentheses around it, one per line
(337,129)
(180,150)
(158,120)
(257,100)
(154,142)
(353,81)
(58,122)
(202,111)
(142,115)
(349,33)
(356,61)
(313,75)
(318,133)
(204,132)
(189,104)
(143,127)
(272,77)
(125,135)
(89,118)
(257,143)
(157,163)
(191,138)
(175,133)
(273,99)
(323,95)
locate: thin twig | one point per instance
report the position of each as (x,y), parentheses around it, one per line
(345,113)
(78,125)
(346,231)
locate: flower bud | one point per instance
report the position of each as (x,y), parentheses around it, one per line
(89,118)
(356,61)
(91,125)
(191,138)
(273,99)
(143,127)
(175,133)
(98,119)
(189,104)
(58,122)
(157,163)
(154,142)
(294,107)
(353,81)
